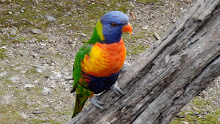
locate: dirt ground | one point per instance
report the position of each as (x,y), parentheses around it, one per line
(40,38)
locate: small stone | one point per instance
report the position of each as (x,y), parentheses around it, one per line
(56,75)
(12,32)
(68,13)
(2,1)
(3,47)
(145,27)
(28,86)
(23,115)
(50,18)
(157,36)
(10,12)
(15,79)
(6,99)
(82,34)
(36,31)
(184,122)
(46,91)
(41,69)
(22,10)
(4,30)
(3,73)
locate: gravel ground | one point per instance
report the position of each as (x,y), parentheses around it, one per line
(38,43)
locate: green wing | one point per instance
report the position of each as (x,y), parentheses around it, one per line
(84,50)
(82,93)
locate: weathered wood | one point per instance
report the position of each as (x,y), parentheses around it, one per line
(166,77)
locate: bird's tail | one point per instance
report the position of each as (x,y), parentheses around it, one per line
(79,103)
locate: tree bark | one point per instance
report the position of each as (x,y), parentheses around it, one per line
(167,76)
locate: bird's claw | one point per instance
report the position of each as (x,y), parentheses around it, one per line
(116,89)
(97,103)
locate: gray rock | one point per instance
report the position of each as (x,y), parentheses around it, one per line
(36,31)
(82,34)
(27,86)
(40,69)
(4,30)
(50,18)
(15,79)
(23,115)
(18,68)
(145,27)
(56,75)
(3,73)
(46,91)
(184,122)
(6,99)
(12,32)
(22,10)
(10,12)
(3,47)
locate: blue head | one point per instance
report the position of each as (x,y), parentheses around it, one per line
(114,23)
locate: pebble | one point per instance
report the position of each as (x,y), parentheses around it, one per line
(3,47)
(23,115)
(3,73)
(15,79)
(56,75)
(41,69)
(50,18)
(36,31)
(6,99)
(10,12)
(46,91)
(184,122)
(12,32)
(145,27)
(22,10)
(28,86)
(4,30)
(82,34)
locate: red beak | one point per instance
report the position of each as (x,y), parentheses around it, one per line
(127,28)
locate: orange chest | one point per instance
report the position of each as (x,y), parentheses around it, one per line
(104,59)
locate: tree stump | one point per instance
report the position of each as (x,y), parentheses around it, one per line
(167,76)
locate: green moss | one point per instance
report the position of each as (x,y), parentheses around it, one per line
(40,37)
(136,49)
(200,107)
(31,71)
(2,53)
(155,2)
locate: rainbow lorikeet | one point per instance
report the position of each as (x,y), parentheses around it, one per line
(98,63)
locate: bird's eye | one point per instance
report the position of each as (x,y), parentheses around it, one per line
(114,25)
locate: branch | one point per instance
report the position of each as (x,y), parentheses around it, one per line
(166,77)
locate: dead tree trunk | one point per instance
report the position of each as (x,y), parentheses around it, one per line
(166,77)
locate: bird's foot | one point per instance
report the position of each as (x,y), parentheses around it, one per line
(96,102)
(116,89)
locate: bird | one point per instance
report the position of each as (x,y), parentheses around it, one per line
(99,61)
